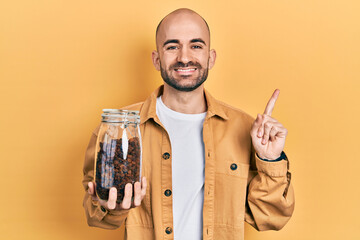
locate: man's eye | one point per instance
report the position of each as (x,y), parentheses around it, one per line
(197,46)
(171,48)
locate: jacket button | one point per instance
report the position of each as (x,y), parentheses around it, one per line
(167,192)
(168,230)
(166,155)
(233,166)
(103,209)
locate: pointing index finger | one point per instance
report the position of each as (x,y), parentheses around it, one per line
(270,105)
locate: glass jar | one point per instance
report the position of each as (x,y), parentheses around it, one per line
(118,152)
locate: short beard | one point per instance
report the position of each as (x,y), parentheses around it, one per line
(174,84)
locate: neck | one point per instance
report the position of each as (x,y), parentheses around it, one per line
(185,102)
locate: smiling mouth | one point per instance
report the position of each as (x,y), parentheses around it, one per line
(184,70)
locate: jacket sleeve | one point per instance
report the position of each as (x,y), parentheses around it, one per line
(270,196)
(96,215)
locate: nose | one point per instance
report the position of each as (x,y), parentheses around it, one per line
(184,55)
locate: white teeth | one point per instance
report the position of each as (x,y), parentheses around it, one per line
(185,70)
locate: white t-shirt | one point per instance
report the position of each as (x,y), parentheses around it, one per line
(188,170)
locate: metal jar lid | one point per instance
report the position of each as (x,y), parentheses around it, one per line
(120,116)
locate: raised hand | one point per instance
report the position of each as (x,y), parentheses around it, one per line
(110,204)
(268,135)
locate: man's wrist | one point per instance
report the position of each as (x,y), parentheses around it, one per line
(282,157)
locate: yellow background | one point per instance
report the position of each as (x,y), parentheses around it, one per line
(61,62)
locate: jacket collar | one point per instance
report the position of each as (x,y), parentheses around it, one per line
(148,109)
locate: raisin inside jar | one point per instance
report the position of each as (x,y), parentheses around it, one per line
(113,170)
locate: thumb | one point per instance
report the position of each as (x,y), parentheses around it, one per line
(257,124)
(258,121)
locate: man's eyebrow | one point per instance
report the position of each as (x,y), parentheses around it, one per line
(198,40)
(171,41)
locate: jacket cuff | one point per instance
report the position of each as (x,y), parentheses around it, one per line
(101,212)
(273,169)
(96,211)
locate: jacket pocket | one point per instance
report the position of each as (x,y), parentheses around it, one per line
(233,168)
(230,193)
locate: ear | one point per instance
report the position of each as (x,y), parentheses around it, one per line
(212,58)
(156,59)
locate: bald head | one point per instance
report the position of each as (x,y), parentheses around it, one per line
(183,54)
(178,17)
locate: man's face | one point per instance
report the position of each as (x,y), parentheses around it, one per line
(183,55)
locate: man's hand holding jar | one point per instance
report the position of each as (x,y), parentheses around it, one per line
(128,201)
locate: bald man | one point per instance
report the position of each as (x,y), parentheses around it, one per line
(207,166)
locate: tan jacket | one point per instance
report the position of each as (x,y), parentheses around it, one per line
(257,191)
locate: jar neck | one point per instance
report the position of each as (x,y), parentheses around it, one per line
(120,116)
